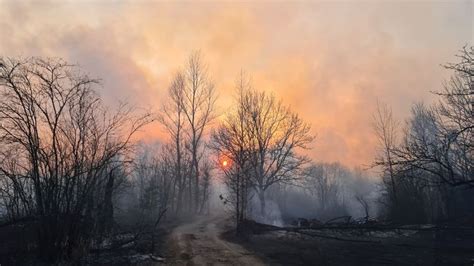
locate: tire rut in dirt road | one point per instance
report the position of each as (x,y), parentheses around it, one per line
(199,243)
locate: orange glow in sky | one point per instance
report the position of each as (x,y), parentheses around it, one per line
(329,60)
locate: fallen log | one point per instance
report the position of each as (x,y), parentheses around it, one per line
(333,237)
(383,228)
(256,227)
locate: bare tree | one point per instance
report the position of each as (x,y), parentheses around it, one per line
(173,119)
(440,140)
(435,157)
(385,127)
(154,182)
(186,116)
(266,135)
(198,105)
(456,111)
(275,134)
(365,205)
(206,170)
(230,141)
(420,142)
(66,145)
(324,181)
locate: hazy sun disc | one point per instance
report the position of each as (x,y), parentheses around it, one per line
(225,163)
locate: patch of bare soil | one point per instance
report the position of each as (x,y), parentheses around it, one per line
(398,247)
(200,243)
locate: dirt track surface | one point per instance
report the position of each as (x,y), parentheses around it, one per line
(200,243)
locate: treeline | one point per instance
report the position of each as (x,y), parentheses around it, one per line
(428,163)
(326,191)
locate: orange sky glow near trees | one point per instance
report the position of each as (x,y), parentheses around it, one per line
(330,61)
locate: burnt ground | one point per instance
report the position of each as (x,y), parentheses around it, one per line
(17,247)
(398,247)
(210,240)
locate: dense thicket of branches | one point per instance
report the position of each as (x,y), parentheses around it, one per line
(325,182)
(61,152)
(326,191)
(430,170)
(69,165)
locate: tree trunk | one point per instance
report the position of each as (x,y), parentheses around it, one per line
(261,196)
(108,208)
(196,178)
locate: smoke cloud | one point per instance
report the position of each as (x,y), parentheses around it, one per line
(329,61)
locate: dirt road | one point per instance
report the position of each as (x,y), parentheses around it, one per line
(199,243)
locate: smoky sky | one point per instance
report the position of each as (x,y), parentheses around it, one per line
(330,61)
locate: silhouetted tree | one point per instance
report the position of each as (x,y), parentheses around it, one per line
(186,117)
(59,146)
(198,106)
(265,135)
(386,127)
